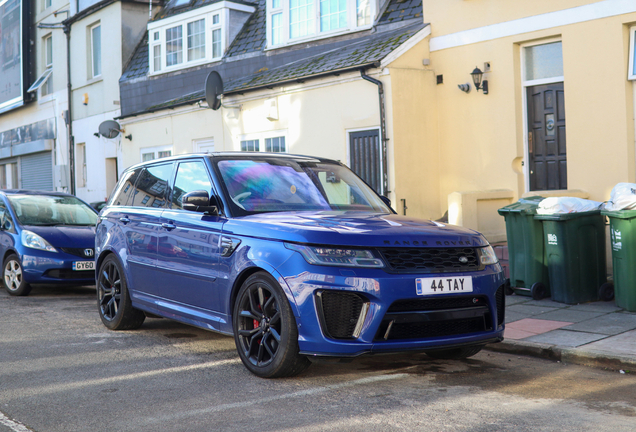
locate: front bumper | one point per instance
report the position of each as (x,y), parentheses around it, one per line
(43,267)
(352,312)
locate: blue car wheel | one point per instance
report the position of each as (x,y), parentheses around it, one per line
(12,277)
(265,329)
(115,307)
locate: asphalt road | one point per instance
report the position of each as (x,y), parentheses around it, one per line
(61,370)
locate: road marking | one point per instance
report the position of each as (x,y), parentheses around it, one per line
(96,382)
(308,392)
(13,425)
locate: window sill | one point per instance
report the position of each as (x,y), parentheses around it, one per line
(184,66)
(318,37)
(47,98)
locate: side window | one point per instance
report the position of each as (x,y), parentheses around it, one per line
(125,188)
(6,223)
(191,176)
(150,189)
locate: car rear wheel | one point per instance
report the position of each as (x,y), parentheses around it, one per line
(455,353)
(265,329)
(115,306)
(13,277)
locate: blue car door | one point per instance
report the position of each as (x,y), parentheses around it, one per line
(188,249)
(140,223)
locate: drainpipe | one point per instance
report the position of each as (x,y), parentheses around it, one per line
(385,176)
(71,138)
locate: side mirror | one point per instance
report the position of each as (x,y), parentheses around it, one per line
(7,225)
(386,200)
(199,201)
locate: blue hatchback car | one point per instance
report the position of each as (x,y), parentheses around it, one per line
(294,256)
(45,238)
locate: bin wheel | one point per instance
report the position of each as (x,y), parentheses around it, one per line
(606,291)
(507,288)
(538,291)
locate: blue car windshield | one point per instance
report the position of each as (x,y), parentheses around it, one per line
(273,185)
(51,210)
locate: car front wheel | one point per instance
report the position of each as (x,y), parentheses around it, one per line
(115,306)
(13,277)
(265,329)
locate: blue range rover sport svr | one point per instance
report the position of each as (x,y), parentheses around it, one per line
(296,257)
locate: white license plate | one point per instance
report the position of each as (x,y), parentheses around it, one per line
(443,285)
(84,265)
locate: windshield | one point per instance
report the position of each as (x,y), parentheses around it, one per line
(270,185)
(45,210)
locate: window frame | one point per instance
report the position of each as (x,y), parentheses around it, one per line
(262,137)
(631,70)
(155,150)
(45,88)
(222,9)
(284,8)
(91,30)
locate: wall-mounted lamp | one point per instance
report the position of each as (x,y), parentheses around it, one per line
(128,137)
(464,87)
(477,75)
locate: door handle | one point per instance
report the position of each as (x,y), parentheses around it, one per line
(124,220)
(168,226)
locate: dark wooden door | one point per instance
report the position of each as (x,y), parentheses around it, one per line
(365,156)
(546,137)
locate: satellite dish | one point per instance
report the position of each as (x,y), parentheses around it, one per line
(213,89)
(109,129)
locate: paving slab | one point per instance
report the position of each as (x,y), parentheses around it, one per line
(572,316)
(622,344)
(529,309)
(546,303)
(515,316)
(512,333)
(599,306)
(514,299)
(537,326)
(610,324)
(565,338)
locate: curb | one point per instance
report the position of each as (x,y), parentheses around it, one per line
(565,355)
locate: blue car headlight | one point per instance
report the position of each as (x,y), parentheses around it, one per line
(34,241)
(487,255)
(335,256)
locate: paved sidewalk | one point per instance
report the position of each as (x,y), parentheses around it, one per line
(595,334)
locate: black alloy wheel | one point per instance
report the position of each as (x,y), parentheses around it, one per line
(265,330)
(115,306)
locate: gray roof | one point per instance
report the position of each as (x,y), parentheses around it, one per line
(247,66)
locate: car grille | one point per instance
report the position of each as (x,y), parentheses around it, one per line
(339,313)
(78,252)
(430,260)
(436,317)
(500,297)
(69,274)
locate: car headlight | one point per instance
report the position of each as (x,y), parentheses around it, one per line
(335,256)
(487,255)
(32,240)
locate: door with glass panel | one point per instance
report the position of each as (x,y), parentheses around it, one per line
(545,107)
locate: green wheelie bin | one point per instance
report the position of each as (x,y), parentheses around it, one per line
(575,250)
(623,238)
(528,266)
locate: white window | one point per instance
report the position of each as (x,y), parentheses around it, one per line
(174,46)
(271,142)
(47,86)
(631,72)
(96,50)
(543,63)
(47,4)
(196,40)
(80,165)
(291,21)
(156,51)
(150,153)
(217,50)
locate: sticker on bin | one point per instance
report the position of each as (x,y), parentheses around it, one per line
(446,285)
(552,240)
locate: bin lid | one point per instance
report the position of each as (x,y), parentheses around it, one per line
(566,216)
(526,205)
(619,214)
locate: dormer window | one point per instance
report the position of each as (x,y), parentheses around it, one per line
(192,37)
(293,21)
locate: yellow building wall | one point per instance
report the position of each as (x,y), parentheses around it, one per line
(451,16)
